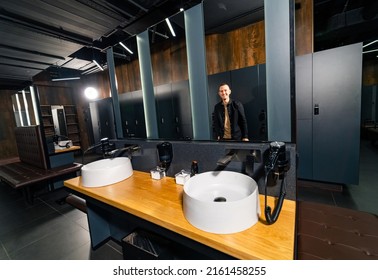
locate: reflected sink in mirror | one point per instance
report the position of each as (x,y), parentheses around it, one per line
(106,171)
(221,202)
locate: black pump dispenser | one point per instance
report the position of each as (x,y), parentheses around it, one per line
(194,168)
(165,154)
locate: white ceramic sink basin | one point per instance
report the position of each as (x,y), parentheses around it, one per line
(221,202)
(106,171)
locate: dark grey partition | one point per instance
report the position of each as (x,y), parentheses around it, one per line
(369,104)
(182,109)
(132,114)
(102,116)
(248,85)
(246,88)
(328,113)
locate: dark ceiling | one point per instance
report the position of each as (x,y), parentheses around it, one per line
(344,22)
(64,36)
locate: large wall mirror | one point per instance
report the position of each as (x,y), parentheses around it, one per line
(235,49)
(25,107)
(235,54)
(170,78)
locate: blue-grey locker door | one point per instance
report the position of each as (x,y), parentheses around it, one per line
(336,114)
(303,95)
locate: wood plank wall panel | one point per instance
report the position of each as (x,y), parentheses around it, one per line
(128,77)
(55,95)
(179,63)
(253,52)
(8,146)
(161,63)
(236,49)
(233,50)
(304,27)
(103,84)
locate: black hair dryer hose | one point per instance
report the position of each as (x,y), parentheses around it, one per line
(278,163)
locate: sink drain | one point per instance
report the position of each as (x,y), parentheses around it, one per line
(220,199)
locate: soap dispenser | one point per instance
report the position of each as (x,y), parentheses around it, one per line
(165,154)
(194,168)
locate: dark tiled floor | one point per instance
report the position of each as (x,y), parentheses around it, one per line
(46,230)
(49,230)
(363,197)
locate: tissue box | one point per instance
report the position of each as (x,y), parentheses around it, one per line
(157,173)
(182,177)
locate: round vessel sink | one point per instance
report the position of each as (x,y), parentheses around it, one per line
(106,171)
(221,202)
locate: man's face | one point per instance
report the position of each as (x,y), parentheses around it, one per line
(224,92)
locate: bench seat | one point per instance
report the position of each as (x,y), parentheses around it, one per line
(327,232)
(19,174)
(33,166)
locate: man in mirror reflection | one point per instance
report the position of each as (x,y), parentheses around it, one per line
(229,121)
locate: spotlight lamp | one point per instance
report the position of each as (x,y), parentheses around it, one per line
(126,48)
(91,93)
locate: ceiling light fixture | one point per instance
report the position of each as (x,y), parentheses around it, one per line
(98,65)
(170,27)
(91,93)
(126,48)
(370,43)
(375,50)
(65,79)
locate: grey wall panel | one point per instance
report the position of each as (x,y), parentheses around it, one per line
(277,15)
(147,84)
(196,53)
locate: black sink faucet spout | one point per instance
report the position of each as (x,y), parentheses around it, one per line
(225,160)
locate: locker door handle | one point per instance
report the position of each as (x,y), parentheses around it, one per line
(316,109)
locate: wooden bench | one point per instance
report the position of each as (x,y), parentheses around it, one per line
(32,167)
(335,233)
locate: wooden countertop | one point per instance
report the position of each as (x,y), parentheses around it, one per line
(70,149)
(160,202)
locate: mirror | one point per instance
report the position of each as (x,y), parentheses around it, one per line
(235,47)
(59,120)
(24,107)
(170,74)
(235,50)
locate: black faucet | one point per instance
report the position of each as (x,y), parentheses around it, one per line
(225,160)
(130,149)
